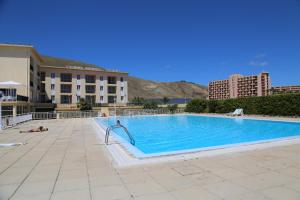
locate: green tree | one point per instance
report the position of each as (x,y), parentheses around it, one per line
(150,105)
(166,100)
(138,101)
(83,105)
(196,106)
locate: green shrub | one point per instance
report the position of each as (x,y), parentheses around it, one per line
(83,105)
(172,108)
(150,105)
(276,105)
(196,105)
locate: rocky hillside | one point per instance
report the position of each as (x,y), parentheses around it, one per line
(138,87)
(157,90)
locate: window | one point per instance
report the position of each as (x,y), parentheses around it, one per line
(121,79)
(78,87)
(78,77)
(111,80)
(52,87)
(52,98)
(43,75)
(90,78)
(31,64)
(7,110)
(101,78)
(101,98)
(66,77)
(90,89)
(52,75)
(43,98)
(64,88)
(66,99)
(43,87)
(111,90)
(78,99)
(31,83)
(101,88)
(122,89)
(111,99)
(122,98)
(90,99)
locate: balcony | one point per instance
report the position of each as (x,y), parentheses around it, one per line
(111,80)
(66,78)
(90,79)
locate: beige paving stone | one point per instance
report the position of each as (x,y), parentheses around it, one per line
(7,190)
(290,171)
(163,173)
(110,192)
(194,193)
(248,196)
(177,183)
(164,196)
(13,176)
(276,164)
(71,150)
(294,185)
(188,170)
(252,169)
(34,188)
(137,177)
(207,178)
(71,184)
(229,173)
(44,196)
(279,193)
(105,180)
(146,188)
(226,189)
(72,195)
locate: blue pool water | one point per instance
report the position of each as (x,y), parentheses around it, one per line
(177,133)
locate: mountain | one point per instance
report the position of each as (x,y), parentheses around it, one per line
(147,89)
(61,62)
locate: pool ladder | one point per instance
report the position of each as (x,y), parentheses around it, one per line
(118,125)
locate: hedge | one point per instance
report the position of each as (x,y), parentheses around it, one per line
(276,105)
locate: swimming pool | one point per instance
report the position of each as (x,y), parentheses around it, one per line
(171,134)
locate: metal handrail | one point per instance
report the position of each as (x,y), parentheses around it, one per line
(118,125)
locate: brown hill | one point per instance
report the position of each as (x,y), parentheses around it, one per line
(157,90)
(144,88)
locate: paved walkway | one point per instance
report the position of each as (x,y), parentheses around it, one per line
(68,162)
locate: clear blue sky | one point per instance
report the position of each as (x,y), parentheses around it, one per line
(164,40)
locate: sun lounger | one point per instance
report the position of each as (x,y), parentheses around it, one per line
(237,112)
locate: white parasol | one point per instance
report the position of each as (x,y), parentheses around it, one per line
(7,84)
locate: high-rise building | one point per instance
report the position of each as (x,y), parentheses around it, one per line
(286,89)
(238,86)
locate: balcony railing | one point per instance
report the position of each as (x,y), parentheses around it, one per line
(13,98)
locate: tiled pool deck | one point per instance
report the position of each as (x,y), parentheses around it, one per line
(69,162)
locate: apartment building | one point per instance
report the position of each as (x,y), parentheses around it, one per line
(285,89)
(67,84)
(54,84)
(238,86)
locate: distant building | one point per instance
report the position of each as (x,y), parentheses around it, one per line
(285,89)
(238,86)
